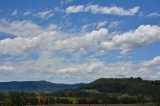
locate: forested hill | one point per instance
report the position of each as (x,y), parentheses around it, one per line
(117,90)
(124,85)
(36,86)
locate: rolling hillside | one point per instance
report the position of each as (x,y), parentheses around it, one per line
(119,90)
(124,85)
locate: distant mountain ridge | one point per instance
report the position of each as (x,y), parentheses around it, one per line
(36,86)
(107,85)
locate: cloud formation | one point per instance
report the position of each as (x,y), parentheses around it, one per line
(96,9)
(100,69)
(143,35)
(53,68)
(30,35)
(44,14)
(89,41)
(155,14)
(68,41)
(52,45)
(14,12)
(24,28)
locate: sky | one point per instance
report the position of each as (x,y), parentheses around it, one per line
(74,41)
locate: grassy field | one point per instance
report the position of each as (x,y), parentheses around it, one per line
(90,91)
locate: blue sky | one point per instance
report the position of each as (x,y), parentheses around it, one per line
(72,41)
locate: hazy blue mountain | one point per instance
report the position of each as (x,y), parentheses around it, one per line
(36,86)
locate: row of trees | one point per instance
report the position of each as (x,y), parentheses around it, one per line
(27,98)
(40,98)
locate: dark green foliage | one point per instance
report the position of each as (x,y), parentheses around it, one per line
(101,91)
(124,90)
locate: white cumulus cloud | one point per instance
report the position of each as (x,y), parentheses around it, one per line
(96,9)
(143,35)
(89,41)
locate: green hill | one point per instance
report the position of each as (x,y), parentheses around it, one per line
(119,90)
(124,85)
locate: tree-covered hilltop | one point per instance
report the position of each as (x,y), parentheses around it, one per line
(124,85)
(118,90)
(100,91)
(147,90)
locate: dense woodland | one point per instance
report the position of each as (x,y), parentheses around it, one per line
(101,91)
